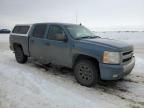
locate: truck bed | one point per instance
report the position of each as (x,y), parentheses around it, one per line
(20,39)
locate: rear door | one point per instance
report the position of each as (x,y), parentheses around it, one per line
(37,42)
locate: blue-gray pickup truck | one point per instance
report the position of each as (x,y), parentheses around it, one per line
(69,45)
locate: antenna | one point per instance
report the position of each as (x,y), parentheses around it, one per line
(76,16)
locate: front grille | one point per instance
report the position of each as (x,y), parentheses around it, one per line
(125,53)
(127,56)
(127,59)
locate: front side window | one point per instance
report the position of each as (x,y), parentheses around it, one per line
(39,30)
(54,31)
(79,32)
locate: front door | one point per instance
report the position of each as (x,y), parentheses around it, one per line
(60,50)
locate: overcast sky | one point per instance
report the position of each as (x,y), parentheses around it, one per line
(92,13)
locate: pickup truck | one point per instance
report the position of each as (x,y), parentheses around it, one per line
(91,57)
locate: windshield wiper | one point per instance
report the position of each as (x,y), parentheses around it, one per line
(89,37)
(95,37)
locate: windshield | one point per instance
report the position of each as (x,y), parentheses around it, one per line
(79,32)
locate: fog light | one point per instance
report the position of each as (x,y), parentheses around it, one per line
(115,76)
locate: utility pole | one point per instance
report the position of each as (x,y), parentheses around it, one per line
(76,16)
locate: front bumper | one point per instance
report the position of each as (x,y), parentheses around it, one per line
(11,48)
(115,72)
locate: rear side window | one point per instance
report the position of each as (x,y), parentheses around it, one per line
(39,30)
(21,29)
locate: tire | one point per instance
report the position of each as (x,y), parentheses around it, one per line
(19,55)
(86,73)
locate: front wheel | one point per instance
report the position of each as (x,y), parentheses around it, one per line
(86,72)
(19,55)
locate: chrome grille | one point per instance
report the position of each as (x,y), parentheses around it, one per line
(127,56)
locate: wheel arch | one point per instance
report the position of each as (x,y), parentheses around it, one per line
(17,45)
(78,57)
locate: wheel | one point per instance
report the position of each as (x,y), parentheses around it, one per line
(19,55)
(86,73)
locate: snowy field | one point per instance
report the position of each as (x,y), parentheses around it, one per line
(32,86)
(134,37)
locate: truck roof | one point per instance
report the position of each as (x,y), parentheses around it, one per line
(23,29)
(57,23)
(46,23)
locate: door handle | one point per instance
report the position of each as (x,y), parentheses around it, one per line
(32,41)
(47,44)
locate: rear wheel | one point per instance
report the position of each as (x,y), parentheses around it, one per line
(86,72)
(19,55)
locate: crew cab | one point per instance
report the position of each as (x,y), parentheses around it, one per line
(91,57)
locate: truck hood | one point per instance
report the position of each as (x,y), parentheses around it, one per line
(115,44)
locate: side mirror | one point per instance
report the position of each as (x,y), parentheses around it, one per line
(61,37)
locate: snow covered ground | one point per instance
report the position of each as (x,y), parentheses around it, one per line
(31,86)
(130,37)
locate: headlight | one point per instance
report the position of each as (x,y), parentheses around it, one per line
(111,57)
